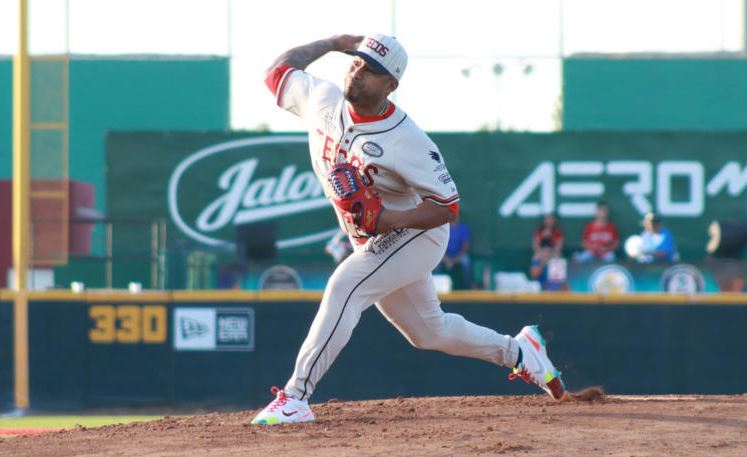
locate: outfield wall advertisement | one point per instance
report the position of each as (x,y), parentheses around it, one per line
(206,183)
(225,349)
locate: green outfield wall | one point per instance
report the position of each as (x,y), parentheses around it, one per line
(204,184)
(127,92)
(225,349)
(655,92)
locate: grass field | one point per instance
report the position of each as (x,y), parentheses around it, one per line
(35,424)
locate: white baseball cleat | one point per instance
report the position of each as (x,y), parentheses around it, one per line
(284,410)
(535,366)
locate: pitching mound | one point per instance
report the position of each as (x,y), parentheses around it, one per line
(454,426)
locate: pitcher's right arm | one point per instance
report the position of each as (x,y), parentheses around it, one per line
(302,56)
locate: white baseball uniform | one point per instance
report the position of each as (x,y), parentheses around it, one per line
(393,269)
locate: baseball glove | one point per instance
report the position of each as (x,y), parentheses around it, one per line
(358,204)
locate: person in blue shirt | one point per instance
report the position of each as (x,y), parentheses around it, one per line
(457,254)
(657,242)
(539,269)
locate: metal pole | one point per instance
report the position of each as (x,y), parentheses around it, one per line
(67,28)
(393,17)
(229,28)
(109,255)
(21,187)
(154,255)
(561,29)
(162,255)
(393,27)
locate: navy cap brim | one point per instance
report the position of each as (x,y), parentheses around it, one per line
(370,61)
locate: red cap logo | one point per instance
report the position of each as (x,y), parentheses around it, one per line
(377,47)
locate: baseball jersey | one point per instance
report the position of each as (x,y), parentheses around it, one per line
(392,153)
(553,238)
(601,236)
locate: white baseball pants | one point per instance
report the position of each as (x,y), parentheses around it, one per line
(395,273)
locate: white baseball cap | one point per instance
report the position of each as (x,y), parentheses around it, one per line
(383,53)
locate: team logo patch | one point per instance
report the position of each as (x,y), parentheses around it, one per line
(435,156)
(445,178)
(377,47)
(372,149)
(682,279)
(611,279)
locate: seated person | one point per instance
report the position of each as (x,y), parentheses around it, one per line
(548,269)
(548,234)
(339,247)
(600,238)
(457,255)
(657,242)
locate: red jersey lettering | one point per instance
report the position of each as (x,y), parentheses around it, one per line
(356,162)
(329,149)
(367,173)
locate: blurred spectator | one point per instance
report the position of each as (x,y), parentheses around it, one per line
(456,261)
(339,247)
(600,237)
(230,275)
(548,269)
(657,242)
(548,234)
(726,244)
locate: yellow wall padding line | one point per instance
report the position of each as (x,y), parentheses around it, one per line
(213,295)
(732,298)
(108,296)
(314,296)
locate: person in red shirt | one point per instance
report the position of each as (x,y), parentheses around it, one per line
(600,238)
(548,234)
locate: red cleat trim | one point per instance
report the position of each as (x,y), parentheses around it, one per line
(556,388)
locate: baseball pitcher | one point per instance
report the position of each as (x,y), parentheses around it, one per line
(394,197)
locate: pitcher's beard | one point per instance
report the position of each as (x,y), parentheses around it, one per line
(351,97)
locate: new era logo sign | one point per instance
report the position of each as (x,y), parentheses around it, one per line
(191,328)
(213,329)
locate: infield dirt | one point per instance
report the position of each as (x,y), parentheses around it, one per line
(626,426)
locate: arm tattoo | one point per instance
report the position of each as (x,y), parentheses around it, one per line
(302,56)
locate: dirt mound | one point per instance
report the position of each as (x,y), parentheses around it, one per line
(452,426)
(589,394)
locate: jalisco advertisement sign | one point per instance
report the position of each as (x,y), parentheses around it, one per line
(205,183)
(241,194)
